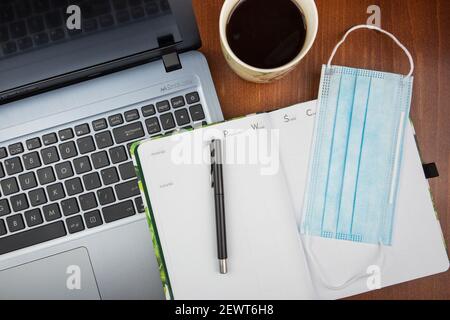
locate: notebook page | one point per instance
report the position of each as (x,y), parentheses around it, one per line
(264,257)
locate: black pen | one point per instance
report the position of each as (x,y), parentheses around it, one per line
(219,201)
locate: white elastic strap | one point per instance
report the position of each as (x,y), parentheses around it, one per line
(366,26)
(313,262)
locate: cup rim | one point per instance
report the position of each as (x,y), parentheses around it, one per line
(287,66)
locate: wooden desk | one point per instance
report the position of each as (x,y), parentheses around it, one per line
(423,26)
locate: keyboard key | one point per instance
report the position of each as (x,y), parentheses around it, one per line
(15,223)
(2,172)
(88,201)
(40,38)
(120,4)
(127,171)
(49,139)
(2,228)
(106,20)
(75,224)
(33,217)
(137,12)
(46,175)
(86,145)
(93,219)
(33,143)
(57,34)
(109,176)
(100,160)
(19,202)
(13,166)
(148,111)
(82,129)
(4,36)
(32,237)
(104,140)
(152,125)
(192,97)
(25,43)
(106,196)
(197,113)
(53,19)
(68,150)
(139,204)
(64,170)
(74,186)
(91,181)
(37,197)
(131,115)
(41,5)
(36,24)
(9,186)
(31,160)
(82,165)
(50,155)
(151,8)
(4,207)
(123,16)
(51,212)
(118,211)
(99,124)
(182,117)
(129,132)
(27,181)
(3,153)
(90,25)
(178,102)
(55,192)
(115,120)
(118,154)
(70,207)
(163,106)
(65,134)
(9,47)
(18,29)
(167,121)
(15,148)
(127,190)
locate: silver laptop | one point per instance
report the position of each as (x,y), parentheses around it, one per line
(72,102)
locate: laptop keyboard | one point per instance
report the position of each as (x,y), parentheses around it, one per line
(81,177)
(30,24)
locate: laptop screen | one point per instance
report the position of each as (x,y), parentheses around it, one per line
(44,39)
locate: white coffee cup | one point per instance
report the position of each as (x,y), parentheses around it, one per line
(253,74)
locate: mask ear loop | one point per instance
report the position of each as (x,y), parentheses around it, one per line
(371,27)
(312,260)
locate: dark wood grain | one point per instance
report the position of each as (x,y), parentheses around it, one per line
(423,26)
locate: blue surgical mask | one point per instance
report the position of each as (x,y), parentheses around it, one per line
(357,152)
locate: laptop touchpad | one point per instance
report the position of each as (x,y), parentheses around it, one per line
(67,275)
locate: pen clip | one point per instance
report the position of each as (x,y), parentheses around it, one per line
(212,153)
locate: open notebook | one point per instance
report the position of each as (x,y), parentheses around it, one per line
(267,257)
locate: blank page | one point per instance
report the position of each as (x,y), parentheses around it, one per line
(264,256)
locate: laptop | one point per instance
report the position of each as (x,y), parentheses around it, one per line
(72,101)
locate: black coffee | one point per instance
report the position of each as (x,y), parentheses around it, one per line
(266,34)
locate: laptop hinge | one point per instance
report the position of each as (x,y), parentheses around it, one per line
(171,62)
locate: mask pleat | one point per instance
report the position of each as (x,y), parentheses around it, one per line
(336,166)
(376,160)
(352,159)
(323,152)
